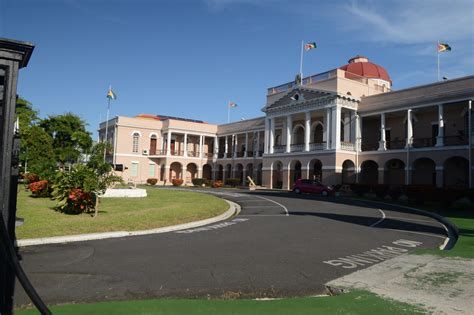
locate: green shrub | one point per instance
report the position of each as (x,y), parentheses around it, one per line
(40,188)
(152,181)
(395,192)
(360,189)
(232,182)
(201,181)
(421,193)
(177,182)
(380,190)
(31,178)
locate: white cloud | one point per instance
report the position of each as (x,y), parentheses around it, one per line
(411,21)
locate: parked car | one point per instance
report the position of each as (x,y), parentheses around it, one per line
(312,186)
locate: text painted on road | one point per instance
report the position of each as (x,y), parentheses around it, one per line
(373,256)
(213,227)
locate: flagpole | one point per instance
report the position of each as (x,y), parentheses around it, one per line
(437,49)
(228,112)
(107,126)
(301,63)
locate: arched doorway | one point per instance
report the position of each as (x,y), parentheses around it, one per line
(207,171)
(369,172)
(456,172)
(315,170)
(295,172)
(175,170)
(348,172)
(298,135)
(239,172)
(220,172)
(424,172)
(259,174)
(394,173)
(228,171)
(277,175)
(249,172)
(317,133)
(191,172)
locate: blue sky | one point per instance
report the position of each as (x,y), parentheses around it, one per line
(190,58)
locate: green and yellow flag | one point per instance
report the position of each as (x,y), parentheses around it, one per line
(309,46)
(111,95)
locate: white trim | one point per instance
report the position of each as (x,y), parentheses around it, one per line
(446,148)
(153,134)
(136,162)
(136,131)
(336,168)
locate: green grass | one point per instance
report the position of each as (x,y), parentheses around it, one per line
(161,208)
(356,302)
(462,215)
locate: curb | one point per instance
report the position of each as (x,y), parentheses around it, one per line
(451,229)
(234,209)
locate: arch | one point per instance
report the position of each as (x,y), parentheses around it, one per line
(369,172)
(348,172)
(317,131)
(153,143)
(277,174)
(315,168)
(239,172)
(295,167)
(297,136)
(456,172)
(220,172)
(228,171)
(249,171)
(394,172)
(175,170)
(191,172)
(207,171)
(153,135)
(136,132)
(259,174)
(424,172)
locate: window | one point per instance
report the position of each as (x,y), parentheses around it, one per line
(151,170)
(153,145)
(134,169)
(136,136)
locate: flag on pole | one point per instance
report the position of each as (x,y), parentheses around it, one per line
(232,105)
(309,46)
(111,95)
(443,47)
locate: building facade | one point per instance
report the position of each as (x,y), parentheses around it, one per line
(341,126)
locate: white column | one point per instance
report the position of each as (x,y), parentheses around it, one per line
(236,143)
(185,144)
(216,147)
(336,128)
(382,143)
(246,143)
(327,128)
(201,146)
(272,135)
(409,129)
(168,143)
(258,144)
(353,127)
(307,130)
(358,133)
(289,128)
(440,138)
(266,139)
(347,127)
(244,175)
(226,148)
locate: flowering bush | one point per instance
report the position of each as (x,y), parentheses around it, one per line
(39,188)
(79,200)
(177,182)
(31,178)
(152,181)
(217,184)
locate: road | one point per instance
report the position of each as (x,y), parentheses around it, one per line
(281,244)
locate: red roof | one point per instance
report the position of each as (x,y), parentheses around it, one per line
(361,66)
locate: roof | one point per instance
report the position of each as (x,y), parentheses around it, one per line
(361,66)
(165,117)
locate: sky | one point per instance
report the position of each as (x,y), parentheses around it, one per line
(190,58)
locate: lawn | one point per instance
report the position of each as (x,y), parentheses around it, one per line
(356,302)
(161,208)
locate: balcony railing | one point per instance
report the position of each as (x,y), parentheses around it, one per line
(176,153)
(220,155)
(369,146)
(395,144)
(347,146)
(297,147)
(239,154)
(315,146)
(193,153)
(423,142)
(456,140)
(279,148)
(249,153)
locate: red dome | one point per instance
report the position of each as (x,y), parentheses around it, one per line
(361,66)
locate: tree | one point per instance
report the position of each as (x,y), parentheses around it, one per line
(70,137)
(38,152)
(27,118)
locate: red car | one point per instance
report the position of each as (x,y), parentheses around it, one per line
(312,186)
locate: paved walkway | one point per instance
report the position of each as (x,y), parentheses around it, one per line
(442,285)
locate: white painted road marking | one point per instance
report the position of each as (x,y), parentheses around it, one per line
(213,227)
(383,218)
(284,208)
(376,255)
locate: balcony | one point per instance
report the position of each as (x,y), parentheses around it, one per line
(297,147)
(279,148)
(316,146)
(456,140)
(349,146)
(193,153)
(423,142)
(395,144)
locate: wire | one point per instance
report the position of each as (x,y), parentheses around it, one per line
(20,273)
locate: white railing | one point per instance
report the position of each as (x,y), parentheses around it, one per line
(279,148)
(347,146)
(317,146)
(297,147)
